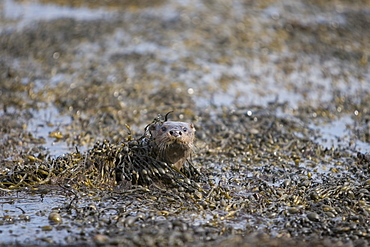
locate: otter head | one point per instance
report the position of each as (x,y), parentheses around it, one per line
(173,141)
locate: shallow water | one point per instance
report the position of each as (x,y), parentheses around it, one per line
(338,134)
(46,121)
(16,229)
(28,12)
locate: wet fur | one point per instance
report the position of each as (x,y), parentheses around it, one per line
(172,148)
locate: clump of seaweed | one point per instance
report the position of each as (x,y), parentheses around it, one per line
(104,166)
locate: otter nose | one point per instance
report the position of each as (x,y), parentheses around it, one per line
(175,133)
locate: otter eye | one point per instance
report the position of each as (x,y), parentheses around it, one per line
(163,128)
(184,129)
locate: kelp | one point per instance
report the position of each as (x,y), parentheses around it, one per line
(104,166)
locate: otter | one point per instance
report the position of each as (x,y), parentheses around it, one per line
(172,142)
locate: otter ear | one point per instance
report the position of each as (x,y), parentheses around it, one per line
(192,126)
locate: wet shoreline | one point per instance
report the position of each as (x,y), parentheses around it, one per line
(278,92)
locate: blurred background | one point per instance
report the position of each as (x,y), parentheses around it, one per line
(73,72)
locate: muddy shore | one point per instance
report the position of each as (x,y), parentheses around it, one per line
(278,92)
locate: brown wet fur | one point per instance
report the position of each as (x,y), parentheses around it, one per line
(172,141)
